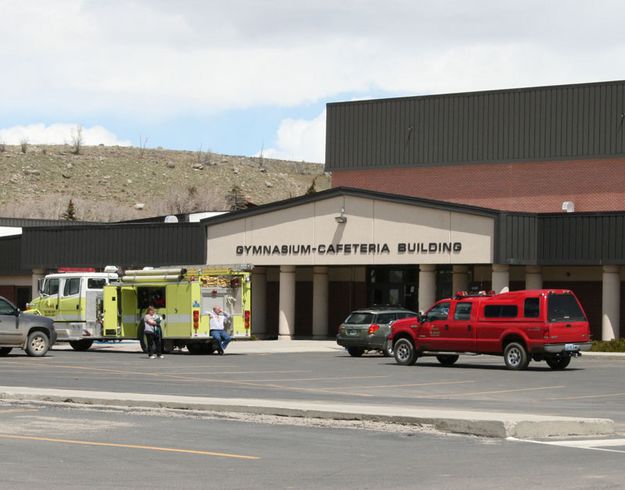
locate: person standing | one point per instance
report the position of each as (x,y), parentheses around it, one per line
(152,333)
(217,328)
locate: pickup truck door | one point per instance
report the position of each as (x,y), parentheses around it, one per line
(432,331)
(460,329)
(9,331)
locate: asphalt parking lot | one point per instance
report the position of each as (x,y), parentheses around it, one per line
(590,387)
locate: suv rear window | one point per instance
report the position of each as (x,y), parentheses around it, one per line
(564,308)
(360,318)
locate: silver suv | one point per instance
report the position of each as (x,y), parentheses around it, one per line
(33,333)
(367,329)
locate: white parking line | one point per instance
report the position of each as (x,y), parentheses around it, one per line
(591,444)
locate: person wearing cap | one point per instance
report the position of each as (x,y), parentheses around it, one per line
(217,328)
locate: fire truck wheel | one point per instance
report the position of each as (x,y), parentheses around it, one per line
(4,351)
(81,345)
(195,349)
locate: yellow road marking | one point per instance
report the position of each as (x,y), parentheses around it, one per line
(128,446)
(609,395)
(495,392)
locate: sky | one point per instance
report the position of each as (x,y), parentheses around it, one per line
(251,77)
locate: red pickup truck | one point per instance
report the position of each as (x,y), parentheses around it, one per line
(541,325)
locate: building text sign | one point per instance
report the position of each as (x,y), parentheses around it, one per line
(351,249)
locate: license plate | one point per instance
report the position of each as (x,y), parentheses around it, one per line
(571,347)
(352,333)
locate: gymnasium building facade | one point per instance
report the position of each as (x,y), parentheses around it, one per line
(431,194)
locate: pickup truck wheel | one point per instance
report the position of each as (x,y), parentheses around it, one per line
(405,353)
(447,359)
(4,351)
(515,356)
(355,351)
(387,350)
(558,362)
(38,344)
(81,345)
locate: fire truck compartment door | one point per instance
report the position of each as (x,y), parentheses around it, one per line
(130,312)
(111,311)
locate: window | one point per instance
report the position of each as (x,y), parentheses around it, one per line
(72,286)
(500,311)
(51,286)
(360,319)
(93,283)
(463,311)
(438,312)
(564,308)
(531,308)
(6,308)
(406,315)
(385,318)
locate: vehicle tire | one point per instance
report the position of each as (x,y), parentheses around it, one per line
(558,362)
(81,345)
(405,352)
(387,350)
(195,349)
(355,351)
(515,356)
(447,359)
(38,344)
(4,351)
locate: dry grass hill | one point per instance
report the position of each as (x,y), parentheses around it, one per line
(117,183)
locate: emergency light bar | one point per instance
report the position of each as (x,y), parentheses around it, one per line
(472,294)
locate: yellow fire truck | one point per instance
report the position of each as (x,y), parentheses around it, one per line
(182,298)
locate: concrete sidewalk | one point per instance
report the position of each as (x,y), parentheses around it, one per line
(486,424)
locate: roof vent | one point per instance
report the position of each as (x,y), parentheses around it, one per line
(568,206)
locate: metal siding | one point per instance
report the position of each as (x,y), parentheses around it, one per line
(542,123)
(10,255)
(163,244)
(582,239)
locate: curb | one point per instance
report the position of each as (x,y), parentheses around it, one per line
(484,424)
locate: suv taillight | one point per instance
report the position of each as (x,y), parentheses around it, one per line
(374,328)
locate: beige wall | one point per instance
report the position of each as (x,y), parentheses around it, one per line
(369,221)
(15,281)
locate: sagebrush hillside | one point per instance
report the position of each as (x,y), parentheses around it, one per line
(116,183)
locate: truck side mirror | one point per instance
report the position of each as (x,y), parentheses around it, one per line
(39,286)
(17,312)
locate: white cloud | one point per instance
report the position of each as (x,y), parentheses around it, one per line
(58,134)
(150,59)
(300,139)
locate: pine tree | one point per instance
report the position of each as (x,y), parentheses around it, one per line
(70,212)
(235,199)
